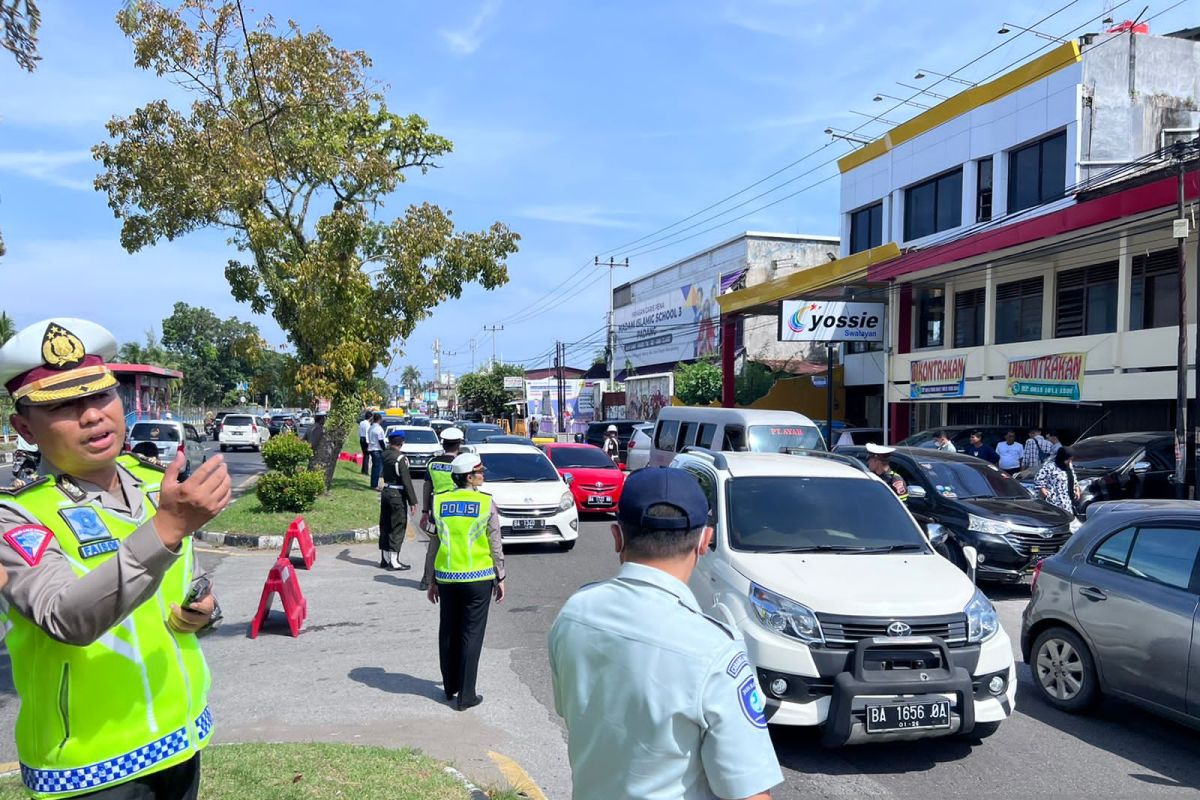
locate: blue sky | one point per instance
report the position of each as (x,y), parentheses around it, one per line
(584,126)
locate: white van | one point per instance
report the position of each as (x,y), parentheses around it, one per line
(730,429)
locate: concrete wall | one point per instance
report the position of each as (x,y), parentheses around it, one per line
(768,261)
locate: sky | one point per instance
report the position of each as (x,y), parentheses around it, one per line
(587,127)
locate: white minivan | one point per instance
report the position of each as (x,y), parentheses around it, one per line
(733,430)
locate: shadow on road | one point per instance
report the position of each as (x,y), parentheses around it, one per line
(1006,591)
(396,682)
(404,583)
(363,562)
(800,749)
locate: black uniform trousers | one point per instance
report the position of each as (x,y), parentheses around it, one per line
(460,635)
(366,465)
(393,519)
(180,782)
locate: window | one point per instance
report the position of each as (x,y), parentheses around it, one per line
(1037,173)
(1114,552)
(933,206)
(968,317)
(1087,301)
(1019,311)
(687,435)
(707,431)
(664,437)
(1165,555)
(1154,296)
(866,228)
(983,190)
(622,296)
(708,485)
(734,439)
(931,314)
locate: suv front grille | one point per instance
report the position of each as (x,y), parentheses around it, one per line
(1022,539)
(845,632)
(527,512)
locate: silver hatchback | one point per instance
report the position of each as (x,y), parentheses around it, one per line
(1116,611)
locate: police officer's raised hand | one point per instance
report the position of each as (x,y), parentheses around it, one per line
(185,507)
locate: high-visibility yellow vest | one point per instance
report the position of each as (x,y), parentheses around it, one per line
(133,702)
(464,552)
(439,474)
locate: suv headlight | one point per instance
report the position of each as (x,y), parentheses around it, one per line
(785,617)
(982,622)
(567,501)
(985,525)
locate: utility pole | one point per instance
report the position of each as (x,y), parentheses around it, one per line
(437,365)
(472,354)
(558,378)
(1180,231)
(612,339)
(493,329)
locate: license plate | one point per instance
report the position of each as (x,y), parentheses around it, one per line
(908,716)
(528,524)
(599,500)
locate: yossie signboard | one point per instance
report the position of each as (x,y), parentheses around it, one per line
(830,321)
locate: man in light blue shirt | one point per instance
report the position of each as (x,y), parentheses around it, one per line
(659,700)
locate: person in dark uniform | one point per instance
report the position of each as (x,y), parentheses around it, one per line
(879,461)
(437,479)
(397,499)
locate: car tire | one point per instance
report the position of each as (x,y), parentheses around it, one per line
(224,448)
(1063,670)
(256,448)
(954,554)
(566,547)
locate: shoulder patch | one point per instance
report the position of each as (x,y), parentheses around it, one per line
(752,703)
(30,542)
(20,486)
(739,663)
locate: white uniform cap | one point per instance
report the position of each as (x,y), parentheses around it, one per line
(465,464)
(879,450)
(452,435)
(57,360)
(611,429)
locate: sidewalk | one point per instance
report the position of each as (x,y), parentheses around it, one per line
(365,670)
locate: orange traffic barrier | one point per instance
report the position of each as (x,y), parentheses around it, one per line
(283,581)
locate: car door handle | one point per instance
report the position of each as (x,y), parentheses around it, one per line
(1092,593)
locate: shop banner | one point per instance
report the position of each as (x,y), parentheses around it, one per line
(679,325)
(938,377)
(830,321)
(1058,376)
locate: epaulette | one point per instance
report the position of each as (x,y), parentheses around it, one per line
(728,631)
(68,487)
(151,463)
(19,486)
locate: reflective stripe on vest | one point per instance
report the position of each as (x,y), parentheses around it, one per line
(439,476)
(133,702)
(464,551)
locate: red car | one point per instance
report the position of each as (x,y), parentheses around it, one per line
(595,480)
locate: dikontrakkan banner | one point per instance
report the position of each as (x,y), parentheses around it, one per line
(937,377)
(1058,376)
(680,325)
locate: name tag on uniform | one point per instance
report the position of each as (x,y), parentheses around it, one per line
(85,523)
(458,508)
(99,548)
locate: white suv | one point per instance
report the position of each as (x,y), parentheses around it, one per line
(852,621)
(535,505)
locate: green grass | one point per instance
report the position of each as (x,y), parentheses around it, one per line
(351,505)
(311,772)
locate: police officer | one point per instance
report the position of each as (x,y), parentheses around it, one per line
(437,478)
(879,461)
(105,596)
(395,502)
(465,569)
(659,700)
(612,448)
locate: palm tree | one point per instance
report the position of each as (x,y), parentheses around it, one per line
(410,379)
(8,328)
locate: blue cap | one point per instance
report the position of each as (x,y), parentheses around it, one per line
(395,434)
(652,486)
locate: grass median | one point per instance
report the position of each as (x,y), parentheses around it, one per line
(314,772)
(351,504)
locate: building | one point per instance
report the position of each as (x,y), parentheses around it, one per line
(145,389)
(1021,235)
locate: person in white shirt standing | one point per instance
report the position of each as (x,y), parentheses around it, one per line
(1010,453)
(363,427)
(375,446)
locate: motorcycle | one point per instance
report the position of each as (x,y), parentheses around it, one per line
(25,465)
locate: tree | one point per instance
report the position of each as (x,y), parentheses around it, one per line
(410,379)
(753,383)
(215,355)
(8,328)
(484,390)
(698,383)
(20,20)
(151,352)
(289,149)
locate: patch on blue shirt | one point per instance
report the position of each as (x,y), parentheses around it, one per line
(752,702)
(458,508)
(739,663)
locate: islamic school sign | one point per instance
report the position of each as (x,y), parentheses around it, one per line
(1058,376)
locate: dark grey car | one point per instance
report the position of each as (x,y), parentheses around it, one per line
(1115,611)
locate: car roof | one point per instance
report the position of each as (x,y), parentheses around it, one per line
(573,445)
(915,453)
(487,447)
(1137,437)
(1179,507)
(759,464)
(480,425)
(407,428)
(157,422)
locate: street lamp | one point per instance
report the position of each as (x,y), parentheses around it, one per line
(922,73)
(1008,26)
(881,96)
(849,137)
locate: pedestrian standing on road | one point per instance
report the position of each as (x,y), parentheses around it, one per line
(375,446)
(395,503)
(1057,482)
(612,447)
(104,596)
(364,427)
(1010,453)
(980,450)
(438,480)
(879,462)
(659,700)
(464,567)
(1036,450)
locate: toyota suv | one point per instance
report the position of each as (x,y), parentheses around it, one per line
(532,499)
(851,619)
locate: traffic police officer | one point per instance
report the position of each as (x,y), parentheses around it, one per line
(879,461)
(394,503)
(465,568)
(659,700)
(437,478)
(104,595)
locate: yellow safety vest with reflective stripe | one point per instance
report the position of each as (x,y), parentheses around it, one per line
(133,702)
(464,552)
(439,474)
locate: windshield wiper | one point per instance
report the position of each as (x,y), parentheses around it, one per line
(894,548)
(813,548)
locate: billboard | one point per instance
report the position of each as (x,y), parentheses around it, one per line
(513,383)
(682,324)
(830,321)
(580,402)
(646,395)
(938,377)
(1058,376)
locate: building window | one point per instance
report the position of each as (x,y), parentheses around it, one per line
(1019,311)
(968,317)
(866,228)
(1087,301)
(622,296)
(983,191)
(1037,173)
(933,206)
(1154,299)
(931,315)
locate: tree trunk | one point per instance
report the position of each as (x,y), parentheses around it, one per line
(331,438)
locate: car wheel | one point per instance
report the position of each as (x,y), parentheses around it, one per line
(567,546)
(954,554)
(1063,670)
(257,448)
(224,448)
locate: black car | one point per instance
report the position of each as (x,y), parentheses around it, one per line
(981,506)
(1125,466)
(504,438)
(279,423)
(218,418)
(960,436)
(625,427)
(478,432)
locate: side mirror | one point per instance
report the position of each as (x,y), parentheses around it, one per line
(1141,467)
(916,493)
(972,557)
(569,478)
(937,534)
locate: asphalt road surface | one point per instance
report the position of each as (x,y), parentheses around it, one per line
(1118,751)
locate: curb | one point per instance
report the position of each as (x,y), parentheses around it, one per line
(475,791)
(275,541)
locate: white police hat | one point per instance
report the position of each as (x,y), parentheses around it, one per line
(452,435)
(56,360)
(466,463)
(879,450)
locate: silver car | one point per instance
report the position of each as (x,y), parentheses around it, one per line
(163,438)
(639,446)
(1115,611)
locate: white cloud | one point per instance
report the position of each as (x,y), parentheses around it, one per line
(466,41)
(795,20)
(48,167)
(574,215)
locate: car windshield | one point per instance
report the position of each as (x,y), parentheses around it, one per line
(964,479)
(528,467)
(781,514)
(154,432)
(777,438)
(922,439)
(1098,453)
(580,457)
(477,433)
(423,436)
